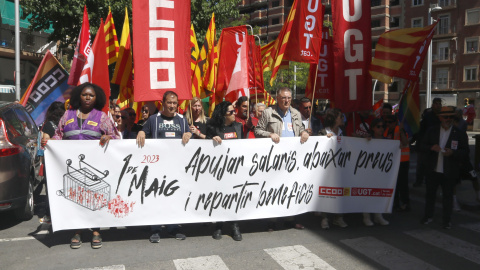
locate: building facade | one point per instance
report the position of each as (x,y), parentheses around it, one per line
(455,45)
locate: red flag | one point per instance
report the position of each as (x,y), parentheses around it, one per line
(324,87)
(240,81)
(306,35)
(96,67)
(352,41)
(229,45)
(255,72)
(81,51)
(161,49)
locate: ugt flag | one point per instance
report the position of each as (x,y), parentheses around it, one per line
(48,85)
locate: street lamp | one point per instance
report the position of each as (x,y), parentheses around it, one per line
(429,60)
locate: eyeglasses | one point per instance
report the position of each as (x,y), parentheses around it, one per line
(285,98)
(231,112)
(117,116)
(309,107)
(145,111)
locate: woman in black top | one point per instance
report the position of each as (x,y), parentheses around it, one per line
(54,112)
(196,118)
(222,126)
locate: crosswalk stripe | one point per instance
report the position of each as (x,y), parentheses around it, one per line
(451,244)
(297,257)
(111,267)
(17,239)
(472,226)
(386,254)
(201,263)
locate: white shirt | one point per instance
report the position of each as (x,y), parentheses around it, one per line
(444,134)
(328,130)
(305,121)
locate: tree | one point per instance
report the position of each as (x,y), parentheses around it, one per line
(65,16)
(285,78)
(226,12)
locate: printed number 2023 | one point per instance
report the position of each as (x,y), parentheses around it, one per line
(150,158)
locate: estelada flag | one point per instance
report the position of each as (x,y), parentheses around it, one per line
(81,51)
(111,39)
(124,66)
(96,68)
(306,34)
(231,40)
(273,52)
(48,85)
(400,53)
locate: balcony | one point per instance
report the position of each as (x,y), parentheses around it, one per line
(441,60)
(443,85)
(444,32)
(447,4)
(258,15)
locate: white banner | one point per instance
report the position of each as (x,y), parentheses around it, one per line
(169,183)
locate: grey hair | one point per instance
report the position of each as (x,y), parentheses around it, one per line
(260,105)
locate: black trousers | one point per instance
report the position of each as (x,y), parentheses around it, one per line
(420,173)
(401,191)
(434,180)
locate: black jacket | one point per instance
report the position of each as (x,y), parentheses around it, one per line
(451,163)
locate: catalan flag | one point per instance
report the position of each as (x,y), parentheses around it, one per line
(124,68)
(409,111)
(111,38)
(272,53)
(208,60)
(400,53)
(196,74)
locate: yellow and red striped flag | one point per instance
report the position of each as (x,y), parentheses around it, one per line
(208,60)
(400,53)
(196,73)
(124,68)
(272,53)
(111,39)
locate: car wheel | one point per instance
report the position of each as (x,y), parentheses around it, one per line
(26,211)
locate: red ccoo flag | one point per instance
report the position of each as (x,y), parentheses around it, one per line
(96,68)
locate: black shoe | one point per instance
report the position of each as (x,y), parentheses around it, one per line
(447,225)
(177,234)
(426,220)
(271,226)
(236,235)
(155,238)
(217,234)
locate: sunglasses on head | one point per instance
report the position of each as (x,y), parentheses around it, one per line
(230,112)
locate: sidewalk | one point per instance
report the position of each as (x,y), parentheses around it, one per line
(465,192)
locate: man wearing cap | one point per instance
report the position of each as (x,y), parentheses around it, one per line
(444,145)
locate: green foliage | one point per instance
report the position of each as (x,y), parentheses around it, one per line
(285,78)
(225,11)
(66,16)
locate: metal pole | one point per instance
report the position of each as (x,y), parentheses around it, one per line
(294,81)
(429,66)
(17,50)
(373,92)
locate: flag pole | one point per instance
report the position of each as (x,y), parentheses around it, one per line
(191,113)
(313,98)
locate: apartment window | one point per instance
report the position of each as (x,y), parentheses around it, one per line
(473,16)
(394,3)
(444,3)
(376,23)
(275,21)
(470,73)
(375,3)
(443,24)
(394,22)
(471,45)
(275,4)
(442,78)
(417,22)
(443,50)
(417,2)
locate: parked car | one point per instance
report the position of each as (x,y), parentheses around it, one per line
(18,160)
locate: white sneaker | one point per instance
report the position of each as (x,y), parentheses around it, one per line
(378,218)
(324,224)
(339,222)
(366,220)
